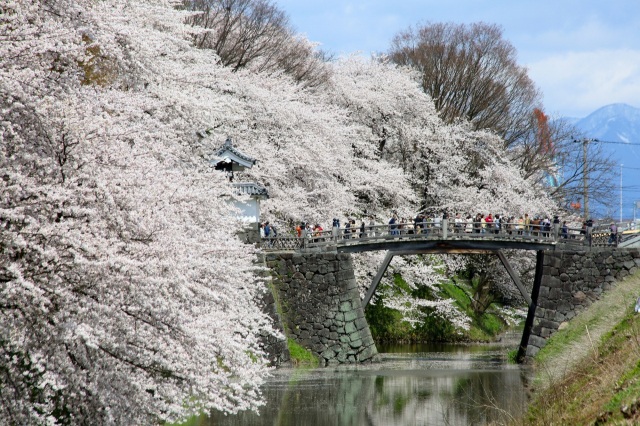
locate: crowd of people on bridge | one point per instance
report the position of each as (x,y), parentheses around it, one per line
(424,224)
(525,225)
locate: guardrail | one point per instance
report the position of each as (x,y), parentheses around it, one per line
(445,230)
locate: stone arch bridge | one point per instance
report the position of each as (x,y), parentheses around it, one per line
(317,301)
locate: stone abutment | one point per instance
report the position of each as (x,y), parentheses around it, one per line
(572,280)
(318,302)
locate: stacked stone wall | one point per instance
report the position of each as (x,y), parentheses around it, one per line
(276,349)
(319,303)
(573,280)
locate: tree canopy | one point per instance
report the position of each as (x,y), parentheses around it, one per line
(125,295)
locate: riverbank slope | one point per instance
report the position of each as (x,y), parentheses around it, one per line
(589,371)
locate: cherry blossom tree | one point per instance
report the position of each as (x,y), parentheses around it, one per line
(124,295)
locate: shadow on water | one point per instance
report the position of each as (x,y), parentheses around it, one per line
(413,385)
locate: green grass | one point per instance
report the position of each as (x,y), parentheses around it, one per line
(592,378)
(450,290)
(300,355)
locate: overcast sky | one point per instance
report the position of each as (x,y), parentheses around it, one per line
(582,54)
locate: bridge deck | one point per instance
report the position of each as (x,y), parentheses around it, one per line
(445,238)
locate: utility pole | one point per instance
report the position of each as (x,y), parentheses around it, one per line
(585,178)
(620,192)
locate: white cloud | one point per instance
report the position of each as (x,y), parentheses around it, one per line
(577,83)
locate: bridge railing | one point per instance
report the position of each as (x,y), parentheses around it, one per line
(407,231)
(444,230)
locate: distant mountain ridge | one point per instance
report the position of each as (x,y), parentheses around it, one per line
(615,122)
(618,123)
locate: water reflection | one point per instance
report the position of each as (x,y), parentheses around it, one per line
(413,385)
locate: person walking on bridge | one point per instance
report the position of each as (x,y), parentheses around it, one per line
(613,237)
(372,224)
(393,224)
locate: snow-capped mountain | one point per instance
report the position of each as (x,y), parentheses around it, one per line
(618,123)
(615,122)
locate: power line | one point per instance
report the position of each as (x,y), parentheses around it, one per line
(609,142)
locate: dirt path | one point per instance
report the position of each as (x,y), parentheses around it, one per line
(591,324)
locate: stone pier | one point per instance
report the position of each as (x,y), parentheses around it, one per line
(573,280)
(319,304)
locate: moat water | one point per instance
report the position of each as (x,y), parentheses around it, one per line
(421,384)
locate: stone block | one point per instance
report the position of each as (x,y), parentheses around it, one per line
(554,282)
(629,264)
(547,304)
(579,297)
(344,275)
(333,267)
(350,327)
(355,344)
(345,306)
(355,336)
(328,354)
(555,293)
(367,353)
(367,340)
(351,316)
(346,265)
(532,351)
(537,341)
(552,325)
(361,323)
(553,261)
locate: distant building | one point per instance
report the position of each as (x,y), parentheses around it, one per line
(233,162)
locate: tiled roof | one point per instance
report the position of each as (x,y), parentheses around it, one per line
(228,147)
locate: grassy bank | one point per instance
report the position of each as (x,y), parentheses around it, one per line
(301,357)
(589,372)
